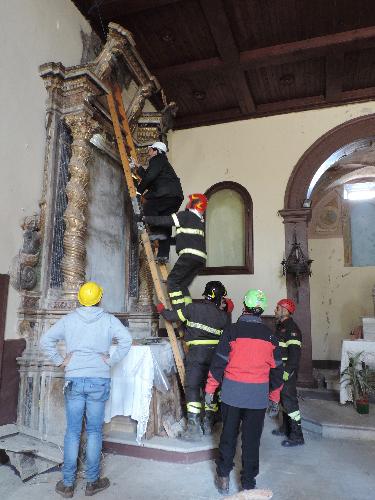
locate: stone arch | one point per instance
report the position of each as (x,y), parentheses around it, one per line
(296,217)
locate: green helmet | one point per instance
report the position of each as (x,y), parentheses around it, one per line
(254,299)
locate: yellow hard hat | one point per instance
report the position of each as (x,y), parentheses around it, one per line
(90,294)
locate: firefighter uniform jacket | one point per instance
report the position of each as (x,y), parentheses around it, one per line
(190,237)
(248,363)
(204,322)
(290,343)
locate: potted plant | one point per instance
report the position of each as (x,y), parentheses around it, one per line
(361,380)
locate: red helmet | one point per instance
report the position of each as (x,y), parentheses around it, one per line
(197,202)
(288,304)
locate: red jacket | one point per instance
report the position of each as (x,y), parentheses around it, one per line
(247,362)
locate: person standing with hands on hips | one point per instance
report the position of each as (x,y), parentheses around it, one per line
(88,332)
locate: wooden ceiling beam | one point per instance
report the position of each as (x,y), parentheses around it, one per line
(127,7)
(282,53)
(227,49)
(311,47)
(334,75)
(213,64)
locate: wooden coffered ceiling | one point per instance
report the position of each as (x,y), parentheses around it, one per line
(225,60)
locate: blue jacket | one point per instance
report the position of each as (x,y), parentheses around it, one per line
(88,333)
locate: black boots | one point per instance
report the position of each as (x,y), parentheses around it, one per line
(97,486)
(208,423)
(222,484)
(193,431)
(64,491)
(284,429)
(295,437)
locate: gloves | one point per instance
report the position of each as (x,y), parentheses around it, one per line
(230,305)
(208,398)
(285,376)
(273,409)
(160,307)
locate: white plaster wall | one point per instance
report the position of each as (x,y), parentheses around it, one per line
(32,32)
(259,154)
(340,297)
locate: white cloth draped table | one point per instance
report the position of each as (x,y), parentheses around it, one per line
(132,382)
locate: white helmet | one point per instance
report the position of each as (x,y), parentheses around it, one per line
(160,146)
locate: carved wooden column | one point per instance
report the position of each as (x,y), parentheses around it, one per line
(73,265)
(296,221)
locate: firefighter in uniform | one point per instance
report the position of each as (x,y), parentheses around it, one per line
(290,342)
(204,323)
(190,247)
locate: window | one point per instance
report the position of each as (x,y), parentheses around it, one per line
(229,230)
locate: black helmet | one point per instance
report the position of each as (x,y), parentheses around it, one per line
(215,291)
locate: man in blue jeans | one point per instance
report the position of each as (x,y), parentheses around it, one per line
(88,332)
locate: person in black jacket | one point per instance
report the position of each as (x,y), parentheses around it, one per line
(204,323)
(162,193)
(290,342)
(190,247)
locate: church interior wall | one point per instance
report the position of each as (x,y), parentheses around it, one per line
(340,296)
(31,33)
(261,154)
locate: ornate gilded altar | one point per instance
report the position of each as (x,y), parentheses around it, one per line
(84,229)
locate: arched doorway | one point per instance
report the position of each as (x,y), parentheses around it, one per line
(297,213)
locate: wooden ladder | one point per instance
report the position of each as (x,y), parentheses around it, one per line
(126,146)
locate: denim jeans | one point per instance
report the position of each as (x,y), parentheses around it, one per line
(84,396)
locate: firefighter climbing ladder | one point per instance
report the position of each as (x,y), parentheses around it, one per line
(126,146)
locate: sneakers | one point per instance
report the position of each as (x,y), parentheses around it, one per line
(96,486)
(64,491)
(222,484)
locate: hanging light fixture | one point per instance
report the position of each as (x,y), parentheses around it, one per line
(296,264)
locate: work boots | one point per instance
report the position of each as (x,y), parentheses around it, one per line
(97,486)
(193,431)
(222,484)
(284,429)
(295,437)
(64,491)
(208,423)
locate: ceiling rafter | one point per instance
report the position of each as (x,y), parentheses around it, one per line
(334,75)
(282,53)
(227,49)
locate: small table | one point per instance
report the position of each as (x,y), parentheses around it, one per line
(354,347)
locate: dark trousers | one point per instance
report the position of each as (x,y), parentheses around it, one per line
(252,427)
(184,271)
(162,206)
(288,395)
(197,365)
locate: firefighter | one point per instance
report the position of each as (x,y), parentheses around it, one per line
(162,194)
(204,323)
(248,363)
(290,342)
(190,247)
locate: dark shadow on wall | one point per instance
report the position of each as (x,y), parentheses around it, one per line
(9,351)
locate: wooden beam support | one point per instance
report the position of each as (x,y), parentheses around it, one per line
(282,53)
(226,46)
(334,75)
(125,8)
(311,47)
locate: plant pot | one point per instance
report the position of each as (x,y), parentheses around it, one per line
(362,406)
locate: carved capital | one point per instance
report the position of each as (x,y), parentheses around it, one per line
(73,264)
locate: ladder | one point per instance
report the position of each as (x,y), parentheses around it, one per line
(127,148)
